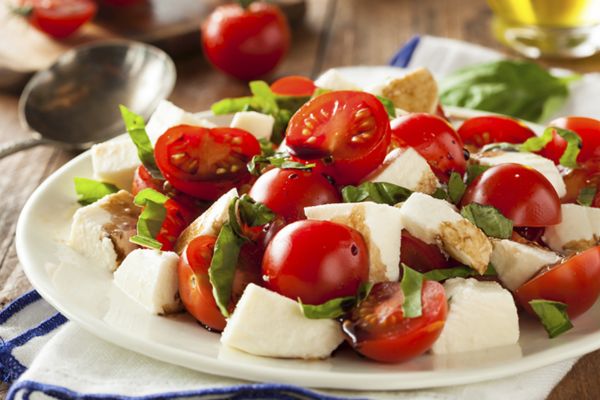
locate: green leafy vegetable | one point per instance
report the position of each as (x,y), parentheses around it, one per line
(501,146)
(441,193)
(151,218)
(337,307)
(456,187)
(388,105)
(553,316)
(521,89)
(456,272)
(90,191)
(266,147)
(411,284)
(569,157)
(137,131)
(258,163)
(474,170)
(253,213)
(586,196)
(489,220)
(378,192)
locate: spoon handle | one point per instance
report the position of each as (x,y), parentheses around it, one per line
(7,149)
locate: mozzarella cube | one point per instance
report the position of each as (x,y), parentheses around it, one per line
(209,223)
(380,226)
(406,168)
(265,323)
(115,161)
(168,115)
(516,263)
(333,80)
(436,221)
(101,231)
(150,278)
(417,91)
(481,315)
(575,232)
(541,164)
(258,124)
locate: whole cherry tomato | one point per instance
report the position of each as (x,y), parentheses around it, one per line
(294,85)
(246,42)
(349,130)
(480,131)
(588,130)
(58,18)
(378,330)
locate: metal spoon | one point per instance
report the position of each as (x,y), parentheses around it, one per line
(74,103)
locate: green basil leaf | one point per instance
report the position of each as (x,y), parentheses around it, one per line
(137,131)
(412,282)
(337,307)
(89,191)
(291,103)
(474,170)
(456,187)
(378,192)
(501,146)
(258,163)
(456,272)
(569,157)
(253,213)
(441,193)
(521,89)
(151,219)
(319,91)
(233,105)
(266,147)
(586,196)
(489,220)
(553,315)
(388,105)
(148,194)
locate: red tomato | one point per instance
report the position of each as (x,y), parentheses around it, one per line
(205,163)
(59,18)
(421,256)
(288,191)
(378,330)
(520,193)
(480,131)
(178,217)
(434,138)
(575,282)
(121,3)
(246,42)
(316,261)
(588,130)
(588,175)
(143,180)
(349,130)
(294,85)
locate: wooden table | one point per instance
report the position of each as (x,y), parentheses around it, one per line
(336,32)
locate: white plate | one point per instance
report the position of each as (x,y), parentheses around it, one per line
(86,295)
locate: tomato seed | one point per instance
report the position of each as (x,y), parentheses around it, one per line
(311,140)
(362,113)
(305,132)
(221,171)
(237,140)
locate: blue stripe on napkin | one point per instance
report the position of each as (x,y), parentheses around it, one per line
(403,56)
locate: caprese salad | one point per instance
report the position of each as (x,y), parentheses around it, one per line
(326,212)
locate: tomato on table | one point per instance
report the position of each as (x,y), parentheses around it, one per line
(434,139)
(349,131)
(483,130)
(520,193)
(588,130)
(294,85)
(205,163)
(378,330)
(575,282)
(421,256)
(316,261)
(246,42)
(57,18)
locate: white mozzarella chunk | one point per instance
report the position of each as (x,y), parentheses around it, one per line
(168,115)
(379,224)
(516,263)
(115,161)
(150,278)
(209,223)
(436,221)
(541,164)
(594,218)
(406,168)
(481,315)
(258,124)
(265,323)
(575,232)
(333,80)
(101,231)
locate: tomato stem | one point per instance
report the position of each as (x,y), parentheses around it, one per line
(245,3)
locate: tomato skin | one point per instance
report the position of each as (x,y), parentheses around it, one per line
(434,139)
(396,339)
(178,217)
(587,175)
(246,43)
(288,191)
(316,261)
(421,256)
(348,130)
(521,194)
(588,130)
(143,180)
(575,282)
(294,85)
(60,18)
(483,130)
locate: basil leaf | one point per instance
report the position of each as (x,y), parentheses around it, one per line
(253,213)
(266,147)
(501,146)
(586,196)
(553,315)
(137,131)
(456,187)
(233,105)
(569,157)
(89,191)
(474,170)
(337,307)
(258,163)
(378,192)
(412,282)
(456,272)
(388,105)
(319,91)
(440,193)
(521,89)
(489,220)
(151,219)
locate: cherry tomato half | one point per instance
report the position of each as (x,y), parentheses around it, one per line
(378,330)
(246,42)
(205,163)
(520,193)
(349,130)
(588,130)
(480,131)
(586,176)
(294,85)
(575,282)
(434,139)
(142,179)
(59,18)
(316,261)
(421,256)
